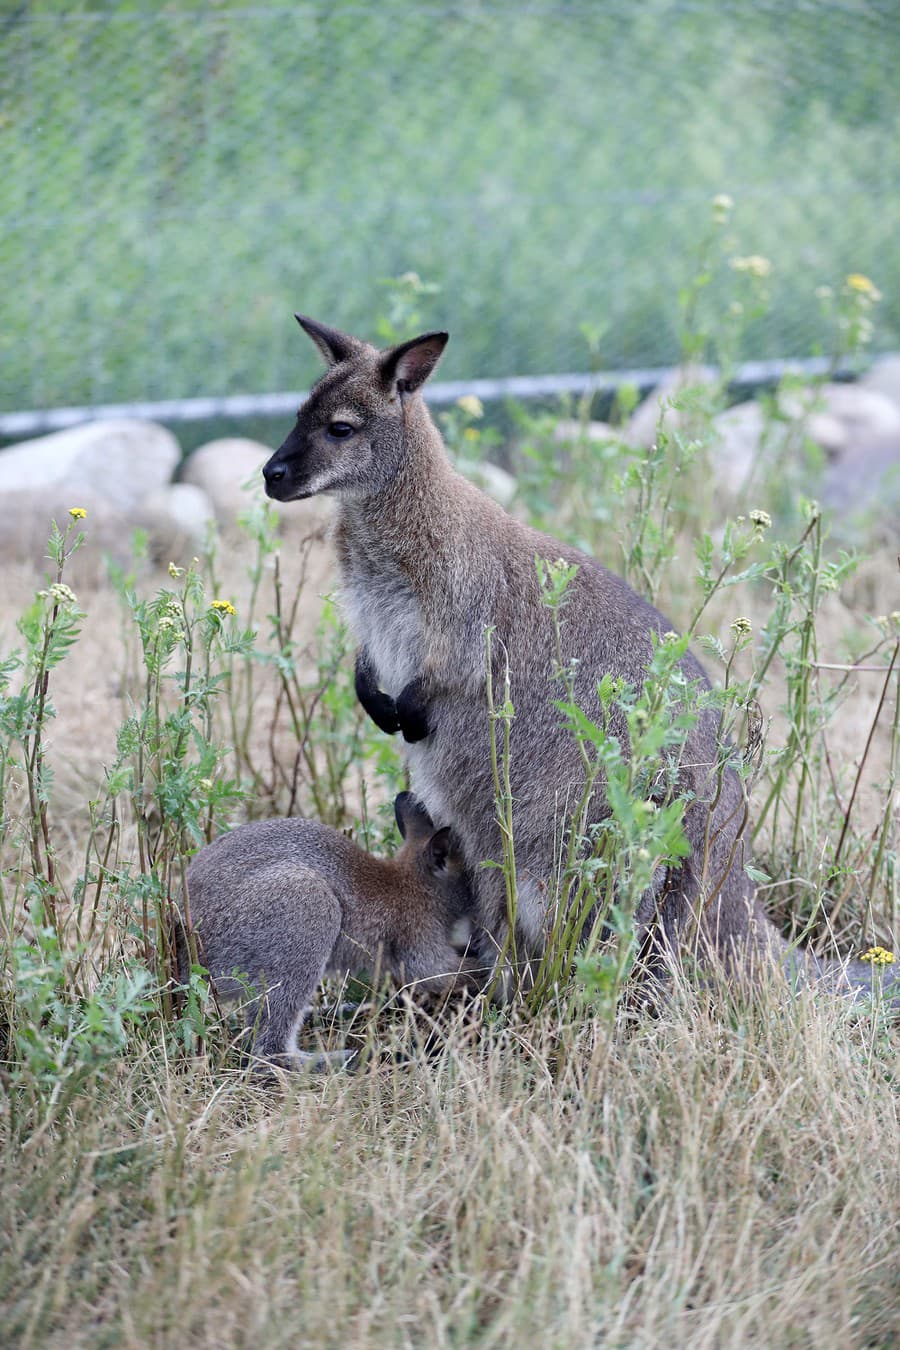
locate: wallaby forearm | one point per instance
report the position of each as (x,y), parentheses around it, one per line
(380,706)
(408,713)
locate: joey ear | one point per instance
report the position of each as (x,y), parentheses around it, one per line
(411,816)
(438,851)
(408,366)
(334,346)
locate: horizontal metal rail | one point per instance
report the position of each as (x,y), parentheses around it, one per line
(33,422)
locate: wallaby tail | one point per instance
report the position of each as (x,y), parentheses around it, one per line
(854,979)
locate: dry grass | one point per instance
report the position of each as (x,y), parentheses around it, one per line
(720,1176)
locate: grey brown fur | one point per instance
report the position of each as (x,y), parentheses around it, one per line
(285,902)
(427,561)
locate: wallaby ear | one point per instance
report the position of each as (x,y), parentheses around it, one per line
(438,851)
(411,816)
(408,366)
(333,345)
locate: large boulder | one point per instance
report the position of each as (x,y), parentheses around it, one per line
(641,428)
(120,473)
(744,433)
(883,377)
(229,472)
(867,414)
(737,445)
(176,518)
(857,430)
(123,461)
(493,480)
(571,432)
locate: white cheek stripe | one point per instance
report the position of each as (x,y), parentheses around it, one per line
(320,483)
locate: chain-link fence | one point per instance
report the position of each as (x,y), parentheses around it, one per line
(177,178)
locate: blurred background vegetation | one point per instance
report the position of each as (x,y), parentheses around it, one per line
(177,178)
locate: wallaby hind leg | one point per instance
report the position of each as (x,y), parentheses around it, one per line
(288,949)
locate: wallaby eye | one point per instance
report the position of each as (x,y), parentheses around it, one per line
(339,431)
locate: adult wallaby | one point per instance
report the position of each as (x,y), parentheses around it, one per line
(427,562)
(278,904)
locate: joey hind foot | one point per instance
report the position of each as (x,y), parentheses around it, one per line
(264,1067)
(412,712)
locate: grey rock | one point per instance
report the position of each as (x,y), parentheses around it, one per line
(738,437)
(570,432)
(493,480)
(176,518)
(883,377)
(643,424)
(229,472)
(122,461)
(857,429)
(867,414)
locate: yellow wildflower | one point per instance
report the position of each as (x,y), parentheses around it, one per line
(863,286)
(223,607)
(761,518)
(471,405)
(470,434)
(741,626)
(175,572)
(77,512)
(878,956)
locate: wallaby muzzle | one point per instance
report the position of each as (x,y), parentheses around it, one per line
(281,477)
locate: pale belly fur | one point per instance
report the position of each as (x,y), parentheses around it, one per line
(386,620)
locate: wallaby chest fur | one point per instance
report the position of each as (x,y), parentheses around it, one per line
(386,617)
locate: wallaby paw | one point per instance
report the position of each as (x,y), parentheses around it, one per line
(412,712)
(379,705)
(383,711)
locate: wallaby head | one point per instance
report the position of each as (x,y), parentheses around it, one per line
(349,438)
(435,859)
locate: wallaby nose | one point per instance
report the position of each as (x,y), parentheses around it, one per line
(274,473)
